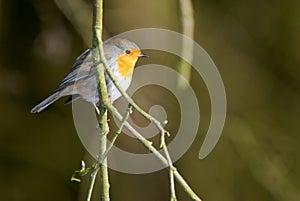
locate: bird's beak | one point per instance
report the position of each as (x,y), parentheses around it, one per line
(143,55)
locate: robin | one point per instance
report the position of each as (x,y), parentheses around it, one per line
(81,82)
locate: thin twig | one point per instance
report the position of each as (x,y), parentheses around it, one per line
(172,184)
(159,156)
(170,164)
(185,186)
(91,187)
(117,133)
(187,21)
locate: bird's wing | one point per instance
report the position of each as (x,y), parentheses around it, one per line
(80,70)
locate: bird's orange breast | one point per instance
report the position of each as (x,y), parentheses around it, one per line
(126,63)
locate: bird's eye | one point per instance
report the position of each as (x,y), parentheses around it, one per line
(127,51)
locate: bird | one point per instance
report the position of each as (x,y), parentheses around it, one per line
(81,82)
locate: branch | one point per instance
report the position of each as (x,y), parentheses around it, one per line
(93,178)
(170,164)
(187,21)
(98,55)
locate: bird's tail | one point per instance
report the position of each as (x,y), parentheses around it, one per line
(45,103)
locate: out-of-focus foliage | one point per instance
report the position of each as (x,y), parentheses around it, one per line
(255,45)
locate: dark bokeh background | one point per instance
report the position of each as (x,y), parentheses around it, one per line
(255,45)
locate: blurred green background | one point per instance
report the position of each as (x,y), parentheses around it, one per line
(255,45)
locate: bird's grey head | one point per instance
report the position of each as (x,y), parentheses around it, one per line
(122,44)
(118,46)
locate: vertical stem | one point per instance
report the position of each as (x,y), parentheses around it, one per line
(170,164)
(93,178)
(97,23)
(187,21)
(172,184)
(102,89)
(102,149)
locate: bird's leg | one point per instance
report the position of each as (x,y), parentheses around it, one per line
(96,108)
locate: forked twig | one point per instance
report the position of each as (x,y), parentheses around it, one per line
(159,156)
(117,133)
